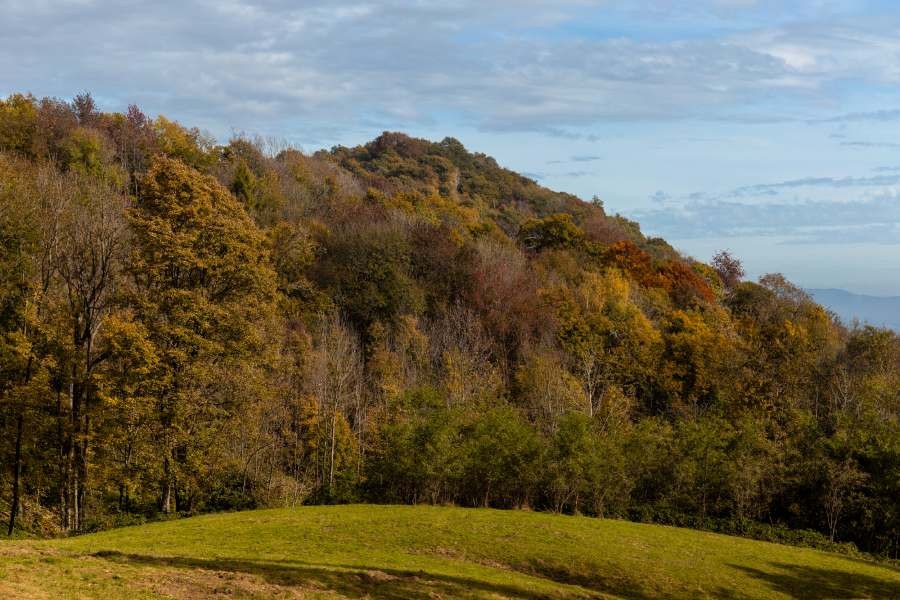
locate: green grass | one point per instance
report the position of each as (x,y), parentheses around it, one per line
(425,552)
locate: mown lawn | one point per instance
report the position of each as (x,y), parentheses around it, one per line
(425,552)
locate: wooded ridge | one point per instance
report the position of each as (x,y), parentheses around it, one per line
(189,327)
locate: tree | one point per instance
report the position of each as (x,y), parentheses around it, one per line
(55,122)
(366,269)
(90,254)
(461,359)
(546,390)
(503,291)
(190,146)
(85,108)
(684,285)
(729,269)
(336,381)
(200,284)
(19,239)
(18,123)
(134,140)
(87,152)
(502,460)
(629,258)
(555,231)
(611,342)
(841,481)
(419,454)
(699,350)
(572,463)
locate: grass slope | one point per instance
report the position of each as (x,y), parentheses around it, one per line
(425,552)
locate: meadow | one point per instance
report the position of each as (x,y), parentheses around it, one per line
(369,551)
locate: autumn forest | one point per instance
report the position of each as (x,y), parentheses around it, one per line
(188,327)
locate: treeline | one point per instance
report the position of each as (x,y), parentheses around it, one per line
(187,327)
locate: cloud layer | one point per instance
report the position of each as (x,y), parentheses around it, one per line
(872,216)
(496,64)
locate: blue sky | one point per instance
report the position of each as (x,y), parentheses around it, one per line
(768,127)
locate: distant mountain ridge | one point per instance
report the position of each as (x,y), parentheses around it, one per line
(881,311)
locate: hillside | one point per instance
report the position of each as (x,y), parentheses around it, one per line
(425,552)
(881,311)
(190,325)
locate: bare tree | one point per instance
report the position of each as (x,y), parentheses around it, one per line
(840,485)
(729,269)
(336,379)
(91,242)
(461,353)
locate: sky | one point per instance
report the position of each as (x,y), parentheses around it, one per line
(767,127)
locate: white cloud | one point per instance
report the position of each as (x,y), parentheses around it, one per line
(806,220)
(499,65)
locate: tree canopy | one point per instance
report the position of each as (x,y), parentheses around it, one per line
(187,326)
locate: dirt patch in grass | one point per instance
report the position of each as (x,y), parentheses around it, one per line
(445,552)
(19,589)
(202,583)
(16,565)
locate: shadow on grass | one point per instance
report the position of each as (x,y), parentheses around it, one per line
(353,581)
(890,565)
(799,581)
(601,581)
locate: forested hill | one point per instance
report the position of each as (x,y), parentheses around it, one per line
(187,326)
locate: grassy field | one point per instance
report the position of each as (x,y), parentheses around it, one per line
(425,552)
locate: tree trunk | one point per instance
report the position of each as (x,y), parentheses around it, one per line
(75,516)
(331,460)
(63,456)
(17,473)
(167,486)
(73,443)
(17,460)
(82,468)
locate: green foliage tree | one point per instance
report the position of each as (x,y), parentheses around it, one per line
(502,460)
(555,231)
(18,123)
(366,268)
